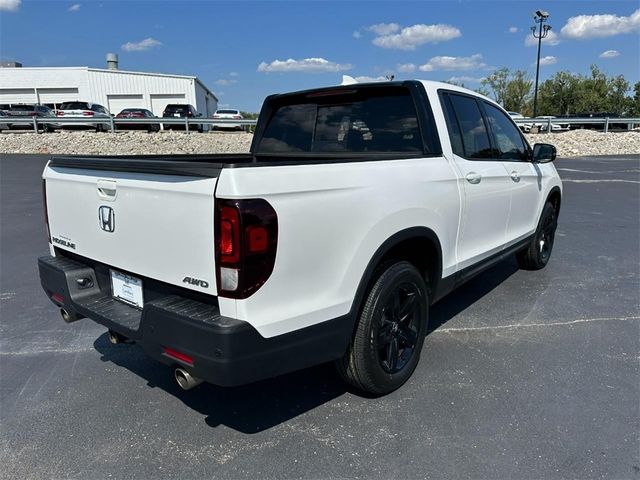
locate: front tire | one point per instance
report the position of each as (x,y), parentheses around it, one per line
(537,254)
(386,345)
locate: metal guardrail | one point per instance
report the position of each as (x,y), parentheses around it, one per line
(604,121)
(189,124)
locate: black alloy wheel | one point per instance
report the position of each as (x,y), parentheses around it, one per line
(390,331)
(397,332)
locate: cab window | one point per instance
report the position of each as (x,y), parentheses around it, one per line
(506,136)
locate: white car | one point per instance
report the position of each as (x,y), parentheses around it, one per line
(555,127)
(357,208)
(85,110)
(229,115)
(525,127)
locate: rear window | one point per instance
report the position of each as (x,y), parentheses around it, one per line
(228,112)
(22,108)
(75,106)
(177,108)
(380,120)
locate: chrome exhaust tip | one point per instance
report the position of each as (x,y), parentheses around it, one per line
(115,338)
(185,380)
(68,316)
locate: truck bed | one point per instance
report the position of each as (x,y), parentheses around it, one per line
(187,165)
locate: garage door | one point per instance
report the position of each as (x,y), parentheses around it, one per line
(17,95)
(159,101)
(56,96)
(117,103)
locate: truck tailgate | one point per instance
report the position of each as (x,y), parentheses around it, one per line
(145,222)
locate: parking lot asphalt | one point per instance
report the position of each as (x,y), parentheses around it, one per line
(525,375)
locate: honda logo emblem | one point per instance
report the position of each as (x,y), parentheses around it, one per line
(107,218)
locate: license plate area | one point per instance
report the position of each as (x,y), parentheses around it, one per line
(127,289)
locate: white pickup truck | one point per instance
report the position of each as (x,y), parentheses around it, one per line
(358,207)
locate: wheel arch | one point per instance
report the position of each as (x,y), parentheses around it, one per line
(555,198)
(418,245)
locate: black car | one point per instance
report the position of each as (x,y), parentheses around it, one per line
(181,110)
(137,113)
(29,111)
(4,125)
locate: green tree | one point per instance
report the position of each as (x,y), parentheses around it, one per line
(510,89)
(636,99)
(518,92)
(557,95)
(497,83)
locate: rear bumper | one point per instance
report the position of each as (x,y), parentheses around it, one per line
(224,351)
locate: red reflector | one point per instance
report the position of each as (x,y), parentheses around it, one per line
(257,239)
(229,235)
(170,352)
(56,297)
(226,238)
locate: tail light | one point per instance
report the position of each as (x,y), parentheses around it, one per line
(246,242)
(88,114)
(44,204)
(216,116)
(59,113)
(237,117)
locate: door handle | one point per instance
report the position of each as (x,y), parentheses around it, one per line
(515,177)
(473,178)
(107,190)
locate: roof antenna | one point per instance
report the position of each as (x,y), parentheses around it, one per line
(390,77)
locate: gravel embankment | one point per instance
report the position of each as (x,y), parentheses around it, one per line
(569,144)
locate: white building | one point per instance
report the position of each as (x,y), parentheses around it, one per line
(111,88)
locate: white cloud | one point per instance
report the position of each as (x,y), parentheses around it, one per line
(10,5)
(411,37)
(514,29)
(474,62)
(607,25)
(233,74)
(224,82)
(366,79)
(357,34)
(548,60)
(142,45)
(381,29)
(552,39)
(307,65)
(75,7)
(465,79)
(406,67)
(610,54)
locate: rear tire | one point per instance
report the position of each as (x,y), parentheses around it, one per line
(538,253)
(386,345)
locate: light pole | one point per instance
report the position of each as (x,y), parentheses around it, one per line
(540,17)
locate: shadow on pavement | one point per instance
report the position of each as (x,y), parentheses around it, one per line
(259,406)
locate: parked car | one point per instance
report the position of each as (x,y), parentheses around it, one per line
(29,111)
(555,127)
(137,113)
(181,110)
(525,127)
(324,243)
(228,114)
(84,110)
(3,120)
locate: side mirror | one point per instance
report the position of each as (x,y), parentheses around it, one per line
(544,153)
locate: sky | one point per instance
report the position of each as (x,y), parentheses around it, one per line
(246,50)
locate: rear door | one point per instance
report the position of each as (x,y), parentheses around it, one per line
(484,180)
(146,224)
(525,176)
